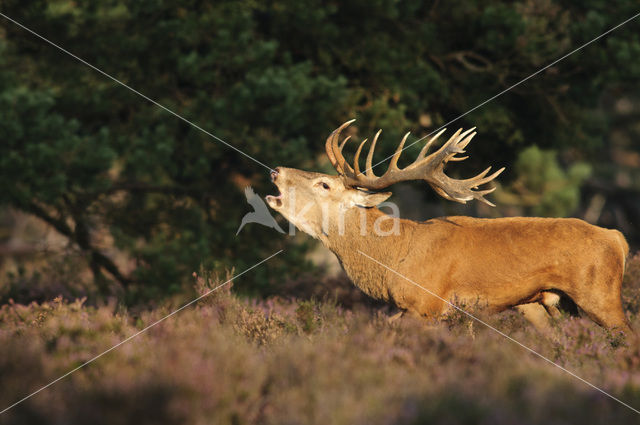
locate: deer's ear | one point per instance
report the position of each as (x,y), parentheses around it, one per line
(364,199)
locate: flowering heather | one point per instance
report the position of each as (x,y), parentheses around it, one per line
(300,361)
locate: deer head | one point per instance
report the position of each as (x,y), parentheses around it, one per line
(314,201)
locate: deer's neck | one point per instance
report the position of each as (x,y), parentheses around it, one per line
(368,231)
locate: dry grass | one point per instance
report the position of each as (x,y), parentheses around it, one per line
(278,361)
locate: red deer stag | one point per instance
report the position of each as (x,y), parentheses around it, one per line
(521,262)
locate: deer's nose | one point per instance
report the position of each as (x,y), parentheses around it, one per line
(274,174)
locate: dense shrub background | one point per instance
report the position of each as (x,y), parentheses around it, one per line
(114,173)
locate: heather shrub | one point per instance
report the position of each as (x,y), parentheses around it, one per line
(235,360)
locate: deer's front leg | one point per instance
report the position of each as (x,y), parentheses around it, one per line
(536,314)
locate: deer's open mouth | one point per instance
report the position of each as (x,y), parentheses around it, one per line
(275,201)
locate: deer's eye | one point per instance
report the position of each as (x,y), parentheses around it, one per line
(325,186)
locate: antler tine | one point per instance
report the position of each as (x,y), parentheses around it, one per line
(369,170)
(356,158)
(448,151)
(443,153)
(345,163)
(461,141)
(393,166)
(479,195)
(334,150)
(344,142)
(426,147)
(480,179)
(421,159)
(461,145)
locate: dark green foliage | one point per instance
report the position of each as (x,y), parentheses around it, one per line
(273,79)
(542,187)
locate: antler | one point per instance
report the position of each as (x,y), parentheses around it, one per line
(429,168)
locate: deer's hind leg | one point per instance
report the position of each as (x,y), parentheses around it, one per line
(601,297)
(605,309)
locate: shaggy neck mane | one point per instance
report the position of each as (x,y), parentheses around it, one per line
(371,231)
